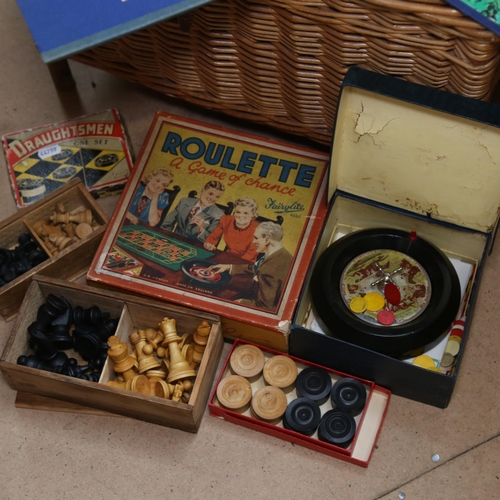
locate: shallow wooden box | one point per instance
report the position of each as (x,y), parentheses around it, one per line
(68,264)
(368,423)
(133,312)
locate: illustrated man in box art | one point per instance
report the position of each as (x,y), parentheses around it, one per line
(269,272)
(196,218)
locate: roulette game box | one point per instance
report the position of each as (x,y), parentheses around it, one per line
(391,290)
(217,220)
(92,148)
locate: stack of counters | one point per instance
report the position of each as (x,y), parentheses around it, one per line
(337,427)
(302,415)
(280,371)
(314,383)
(349,394)
(455,338)
(446,363)
(269,404)
(426,362)
(247,361)
(234,392)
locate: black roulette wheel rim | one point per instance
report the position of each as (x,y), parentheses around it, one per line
(336,319)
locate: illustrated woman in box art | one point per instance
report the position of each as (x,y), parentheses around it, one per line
(151,197)
(196,218)
(237,230)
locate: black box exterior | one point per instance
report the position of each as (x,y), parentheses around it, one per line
(399,377)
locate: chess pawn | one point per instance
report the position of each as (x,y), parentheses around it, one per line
(51,248)
(146,359)
(161,352)
(178,366)
(123,362)
(200,340)
(69,229)
(150,333)
(154,337)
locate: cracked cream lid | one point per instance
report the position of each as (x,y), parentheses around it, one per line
(417,159)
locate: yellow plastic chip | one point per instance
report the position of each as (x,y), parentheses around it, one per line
(358,305)
(374,301)
(424,361)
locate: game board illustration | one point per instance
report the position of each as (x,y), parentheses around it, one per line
(158,248)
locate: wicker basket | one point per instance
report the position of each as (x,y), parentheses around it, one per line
(281,62)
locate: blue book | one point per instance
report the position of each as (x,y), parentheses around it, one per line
(62,28)
(485,12)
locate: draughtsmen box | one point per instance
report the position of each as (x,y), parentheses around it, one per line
(92,148)
(219,221)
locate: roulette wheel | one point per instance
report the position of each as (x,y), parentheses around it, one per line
(384,289)
(198,273)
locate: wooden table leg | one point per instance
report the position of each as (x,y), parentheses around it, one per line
(61,75)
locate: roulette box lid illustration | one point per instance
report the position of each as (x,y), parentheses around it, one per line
(92,148)
(391,290)
(220,221)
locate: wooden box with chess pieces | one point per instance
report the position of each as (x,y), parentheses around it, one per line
(55,236)
(286,397)
(158,360)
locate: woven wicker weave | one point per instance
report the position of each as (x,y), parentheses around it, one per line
(281,62)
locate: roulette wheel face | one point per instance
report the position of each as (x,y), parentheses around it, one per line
(387,290)
(198,272)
